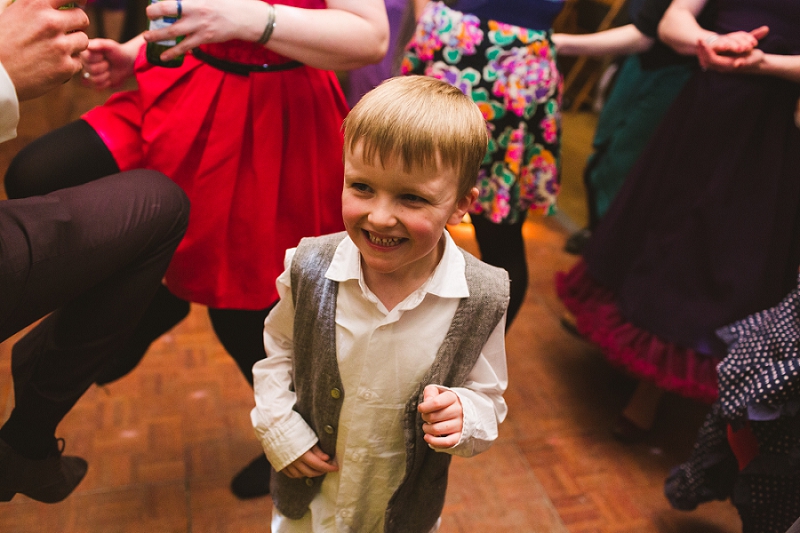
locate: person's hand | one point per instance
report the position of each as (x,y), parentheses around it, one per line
(744,63)
(40,44)
(733,51)
(313,463)
(206,21)
(443,416)
(107,63)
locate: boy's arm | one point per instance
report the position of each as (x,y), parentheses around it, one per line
(481,398)
(283,433)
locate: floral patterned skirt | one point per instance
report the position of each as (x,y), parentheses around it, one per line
(511,73)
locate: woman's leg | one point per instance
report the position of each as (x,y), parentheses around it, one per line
(69,156)
(502,245)
(641,408)
(242,335)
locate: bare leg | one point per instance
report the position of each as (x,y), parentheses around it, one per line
(641,408)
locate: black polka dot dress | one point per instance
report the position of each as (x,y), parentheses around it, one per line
(748,449)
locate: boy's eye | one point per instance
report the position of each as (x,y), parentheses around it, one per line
(413,198)
(361,187)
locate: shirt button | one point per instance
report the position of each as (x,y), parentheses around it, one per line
(336,394)
(309,482)
(328,429)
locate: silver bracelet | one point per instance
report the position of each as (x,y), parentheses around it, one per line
(711,39)
(269,28)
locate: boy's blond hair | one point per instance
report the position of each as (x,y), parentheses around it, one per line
(424,123)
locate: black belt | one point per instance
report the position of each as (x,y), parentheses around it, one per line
(243,69)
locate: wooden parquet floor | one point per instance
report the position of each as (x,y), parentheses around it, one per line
(163,443)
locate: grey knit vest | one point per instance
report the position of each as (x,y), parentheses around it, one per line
(417,504)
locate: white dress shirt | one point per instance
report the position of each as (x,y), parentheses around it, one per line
(9,107)
(383,355)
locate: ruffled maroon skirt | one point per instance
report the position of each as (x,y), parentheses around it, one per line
(643,354)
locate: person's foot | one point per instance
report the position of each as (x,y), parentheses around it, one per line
(576,242)
(48,480)
(627,431)
(253,480)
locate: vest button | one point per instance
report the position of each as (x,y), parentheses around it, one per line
(328,429)
(309,482)
(336,394)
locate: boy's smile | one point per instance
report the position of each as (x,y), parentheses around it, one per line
(397,218)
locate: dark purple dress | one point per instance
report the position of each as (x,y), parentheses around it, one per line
(706,229)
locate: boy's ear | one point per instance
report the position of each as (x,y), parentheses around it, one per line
(462,206)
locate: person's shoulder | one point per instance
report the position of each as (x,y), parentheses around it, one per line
(485,280)
(315,253)
(323,240)
(481,268)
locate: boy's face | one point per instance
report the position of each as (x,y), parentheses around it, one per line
(396,219)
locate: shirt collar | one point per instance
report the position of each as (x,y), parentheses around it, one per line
(447,281)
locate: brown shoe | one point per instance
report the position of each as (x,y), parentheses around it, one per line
(47,480)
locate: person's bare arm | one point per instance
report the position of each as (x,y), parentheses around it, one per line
(755,62)
(348,34)
(623,40)
(680,30)
(419,5)
(40,44)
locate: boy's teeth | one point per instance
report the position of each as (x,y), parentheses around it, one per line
(383,242)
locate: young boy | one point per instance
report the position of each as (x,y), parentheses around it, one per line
(385,355)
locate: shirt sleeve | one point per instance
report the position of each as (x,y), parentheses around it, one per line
(649,15)
(9,107)
(482,397)
(283,433)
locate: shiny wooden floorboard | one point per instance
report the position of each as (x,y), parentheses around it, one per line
(163,443)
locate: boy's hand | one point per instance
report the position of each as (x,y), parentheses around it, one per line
(107,63)
(313,463)
(443,416)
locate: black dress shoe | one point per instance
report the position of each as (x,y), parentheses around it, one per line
(253,480)
(47,480)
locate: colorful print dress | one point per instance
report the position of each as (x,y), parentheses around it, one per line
(511,73)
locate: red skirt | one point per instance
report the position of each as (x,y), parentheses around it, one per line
(259,156)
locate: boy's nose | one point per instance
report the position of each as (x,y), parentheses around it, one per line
(382,215)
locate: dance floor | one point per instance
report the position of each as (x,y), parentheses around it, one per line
(163,442)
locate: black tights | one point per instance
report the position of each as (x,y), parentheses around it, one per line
(75,154)
(502,245)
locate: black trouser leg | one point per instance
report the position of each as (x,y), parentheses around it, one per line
(164,312)
(502,245)
(94,255)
